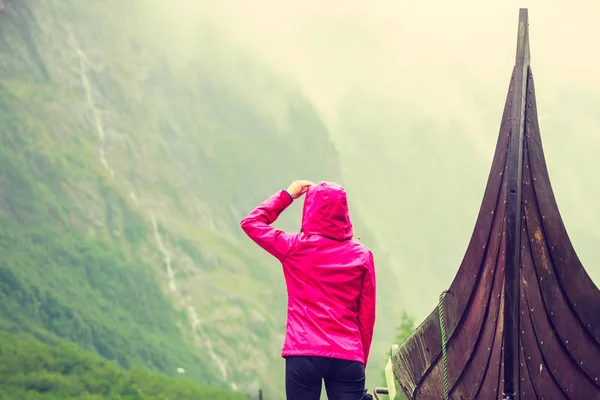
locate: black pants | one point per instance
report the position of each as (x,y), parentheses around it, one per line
(344,380)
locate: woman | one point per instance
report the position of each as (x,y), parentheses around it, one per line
(331,291)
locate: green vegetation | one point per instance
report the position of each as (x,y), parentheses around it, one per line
(405,328)
(85,287)
(32,370)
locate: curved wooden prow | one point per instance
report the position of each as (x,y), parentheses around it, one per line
(522,316)
(514,169)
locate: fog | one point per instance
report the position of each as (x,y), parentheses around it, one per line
(412,93)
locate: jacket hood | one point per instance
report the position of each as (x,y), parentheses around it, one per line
(326,212)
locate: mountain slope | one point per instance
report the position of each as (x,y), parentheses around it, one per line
(125,173)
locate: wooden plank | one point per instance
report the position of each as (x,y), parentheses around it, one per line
(513,222)
(461,346)
(526,389)
(565,371)
(579,288)
(578,342)
(472,378)
(501,372)
(542,379)
(488,389)
(423,348)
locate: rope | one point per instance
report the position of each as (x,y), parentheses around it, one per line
(443,330)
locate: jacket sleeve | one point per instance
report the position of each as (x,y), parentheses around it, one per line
(257,225)
(367,306)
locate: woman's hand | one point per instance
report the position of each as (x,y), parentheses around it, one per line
(298,188)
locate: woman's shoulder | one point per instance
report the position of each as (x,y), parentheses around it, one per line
(362,249)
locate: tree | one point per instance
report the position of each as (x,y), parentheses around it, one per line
(405,328)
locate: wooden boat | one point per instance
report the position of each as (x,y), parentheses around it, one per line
(521,319)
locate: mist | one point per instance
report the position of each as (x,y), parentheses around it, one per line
(412,94)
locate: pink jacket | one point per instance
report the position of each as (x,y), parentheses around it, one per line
(330,278)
